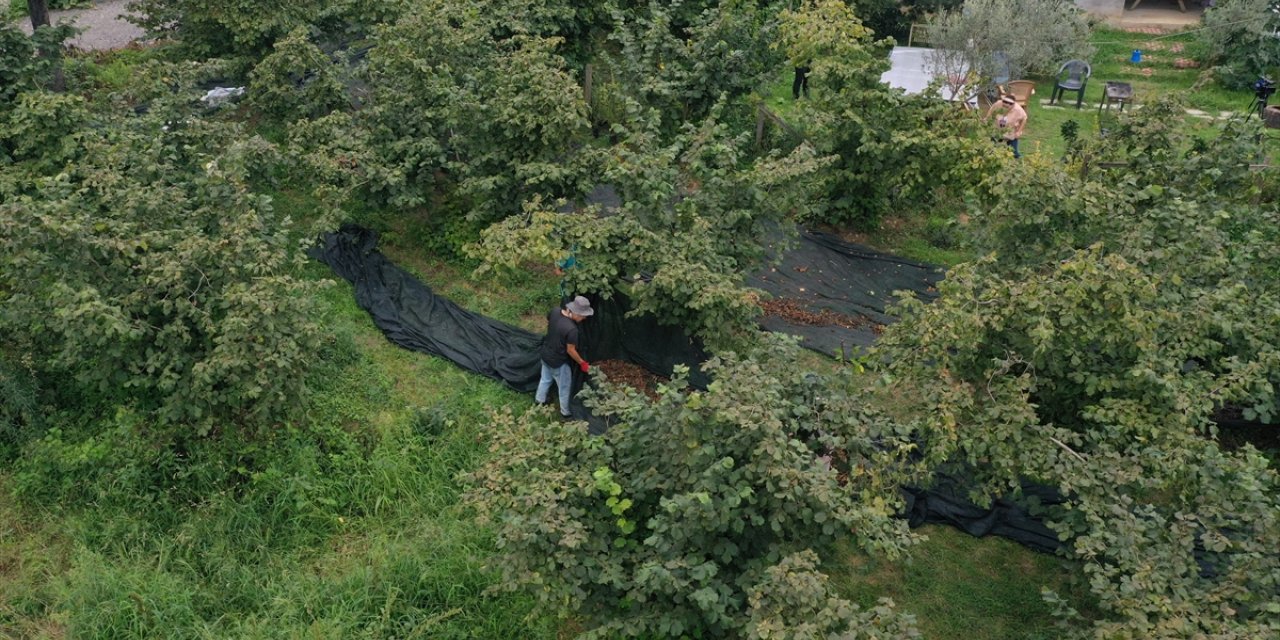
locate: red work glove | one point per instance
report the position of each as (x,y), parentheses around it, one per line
(584,366)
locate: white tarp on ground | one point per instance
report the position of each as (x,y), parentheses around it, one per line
(909,70)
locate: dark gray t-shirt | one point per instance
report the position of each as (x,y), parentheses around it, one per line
(561,332)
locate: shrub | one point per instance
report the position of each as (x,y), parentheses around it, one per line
(684,70)
(28,62)
(150,270)
(250,27)
(1114,317)
(696,211)
(18,405)
(43,127)
(683,519)
(296,79)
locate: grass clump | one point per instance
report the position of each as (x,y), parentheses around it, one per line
(346,526)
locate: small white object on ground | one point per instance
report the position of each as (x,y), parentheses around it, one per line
(219,96)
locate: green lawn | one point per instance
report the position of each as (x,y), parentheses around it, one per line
(959,586)
(1156,75)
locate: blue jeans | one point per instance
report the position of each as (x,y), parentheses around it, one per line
(1014,143)
(563,377)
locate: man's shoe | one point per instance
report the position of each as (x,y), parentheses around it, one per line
(564,418)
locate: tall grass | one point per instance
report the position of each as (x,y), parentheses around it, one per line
(345,527)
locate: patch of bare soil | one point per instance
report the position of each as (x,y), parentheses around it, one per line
(793,312)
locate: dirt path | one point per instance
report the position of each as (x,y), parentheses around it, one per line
(103,25)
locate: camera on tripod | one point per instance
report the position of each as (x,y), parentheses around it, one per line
(1263,89)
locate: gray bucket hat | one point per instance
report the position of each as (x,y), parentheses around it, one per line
(580,306)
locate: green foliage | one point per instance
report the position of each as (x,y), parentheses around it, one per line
(1036,213)
(250,27)
(20,8)
(889,18)
(1238,38)
(892,151)
(682,520)
(45,128)
(164,90)
(1114,317)
(1070,131)
(1200,561)
(1013,38)
(695,216)
(18,405)
(515,128)
(345,526)
(296,79)
(793,602)
(334,152)
(149,270)
(452,111)
(685,70)
(574,26)
(1080,377)
(28,62)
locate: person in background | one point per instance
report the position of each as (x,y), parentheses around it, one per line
(1011,122)
(559,348)
(801,82)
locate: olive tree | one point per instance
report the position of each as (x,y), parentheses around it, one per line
(987,39)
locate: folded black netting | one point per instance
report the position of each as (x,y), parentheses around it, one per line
(411,315)
(946,502)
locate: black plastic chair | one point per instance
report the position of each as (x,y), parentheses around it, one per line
(1072,76)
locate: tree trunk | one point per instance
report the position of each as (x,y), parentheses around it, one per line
(39,10)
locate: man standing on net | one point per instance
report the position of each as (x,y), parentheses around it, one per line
(1011,123)
(559,348)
